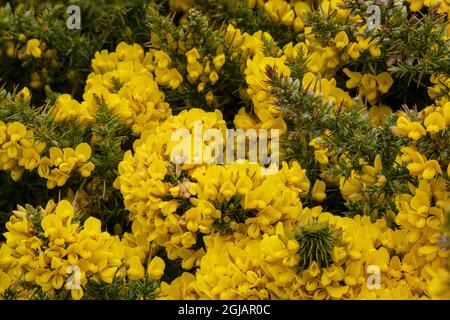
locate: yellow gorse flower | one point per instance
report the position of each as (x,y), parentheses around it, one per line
(33,48)
(155,268)
(406,128)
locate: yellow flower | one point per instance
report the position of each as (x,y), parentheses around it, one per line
(315,62)
(192,56)
(33,48)
(369,82)
(406,128)
(155,268)
(341,40)
(419,165)
(351,188)
(10,49)
(337,292)
(24,95)
(108,274)
(5,261)
(83,152)
(318,190)
(440,284)
(280,11)
(377,114)
(209,97)
(379,258)
(321,156)
(86,169)
(434,122)
(163,59)
(135,269)
(384,81)
(56,156)
(219,61)
(375,50)
(213,77)
(430,169)
(22,38)
(355,78)
(195,70)
(446,113)
(309,82)
(243,120)
(5,281)
(416,5)
(372,174)
(35,82)
(353,51)
(60,245)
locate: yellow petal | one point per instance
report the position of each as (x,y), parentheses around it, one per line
(83,151)
(337,292)
(155,268)
(64,209)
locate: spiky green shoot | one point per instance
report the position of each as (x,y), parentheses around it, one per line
(317,240)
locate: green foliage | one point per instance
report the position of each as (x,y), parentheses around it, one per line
(348,133)
(232,211)
(119,289)
(197,32)
(317,240)
(413,49)
(104,24)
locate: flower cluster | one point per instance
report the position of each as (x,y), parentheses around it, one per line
(206,71)
(20,151)
(47,241)
(124,82)
(258,90)
(154,187)
(61,162)
(283,12)
(51,249)
(269,268)
(432,120)
(172,204)
(369,85)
